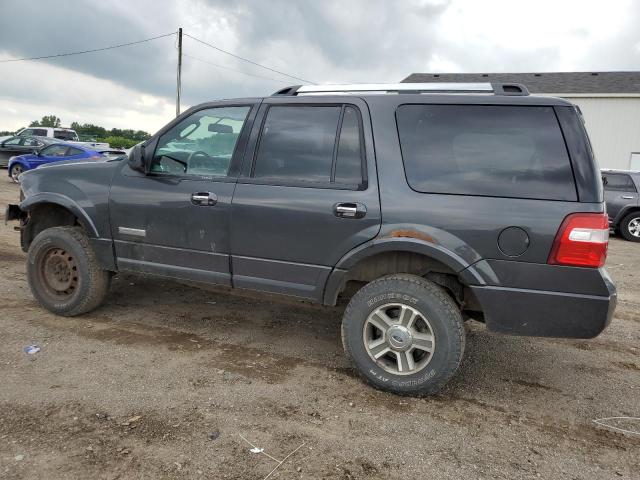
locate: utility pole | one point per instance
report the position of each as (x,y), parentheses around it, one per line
(178,79)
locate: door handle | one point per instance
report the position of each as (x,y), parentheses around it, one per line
(628,197)
(349,210)
(204,199)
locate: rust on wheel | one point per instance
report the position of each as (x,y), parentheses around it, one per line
(59,272)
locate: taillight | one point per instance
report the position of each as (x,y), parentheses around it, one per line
(581,241)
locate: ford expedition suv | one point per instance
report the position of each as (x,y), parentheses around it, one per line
(623,203)
(417,205)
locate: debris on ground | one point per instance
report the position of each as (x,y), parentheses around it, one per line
(31,349)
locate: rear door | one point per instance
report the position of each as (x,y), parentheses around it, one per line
(307,196)
(619,192)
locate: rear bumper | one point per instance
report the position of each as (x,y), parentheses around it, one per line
(540,313)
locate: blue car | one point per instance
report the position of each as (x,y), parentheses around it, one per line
(54,152)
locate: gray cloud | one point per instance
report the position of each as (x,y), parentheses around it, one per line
(332,40)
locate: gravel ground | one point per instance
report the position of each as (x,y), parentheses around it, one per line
(163,379)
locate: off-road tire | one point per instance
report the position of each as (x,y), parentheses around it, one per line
(432,302)
(91,283)
(624,227)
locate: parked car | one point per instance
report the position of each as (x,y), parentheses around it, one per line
(478,201)
(64,134)
(52,152)
(623,206)
(13,146)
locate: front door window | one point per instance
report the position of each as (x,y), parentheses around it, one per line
(202,144)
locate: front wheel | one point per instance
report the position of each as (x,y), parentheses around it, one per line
(404,334)
(630,227)
(15,171)
(63,272)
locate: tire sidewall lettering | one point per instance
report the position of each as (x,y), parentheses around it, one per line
(392,296)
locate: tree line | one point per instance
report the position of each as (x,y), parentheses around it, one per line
(115,137)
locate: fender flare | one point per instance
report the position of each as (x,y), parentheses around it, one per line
(336,278)
(58,199)
(623,213)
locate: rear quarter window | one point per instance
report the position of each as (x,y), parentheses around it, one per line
(487,150)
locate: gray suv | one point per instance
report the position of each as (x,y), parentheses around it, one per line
(416,205)
(623,206)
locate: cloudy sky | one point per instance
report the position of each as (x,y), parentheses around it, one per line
(341,41)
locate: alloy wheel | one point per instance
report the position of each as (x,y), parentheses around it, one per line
(399,339)
(634,227)
(16,170)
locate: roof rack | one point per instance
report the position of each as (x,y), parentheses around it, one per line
(441,87)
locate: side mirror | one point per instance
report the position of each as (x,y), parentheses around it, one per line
(136,158)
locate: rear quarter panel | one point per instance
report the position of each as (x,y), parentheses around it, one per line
(466,225)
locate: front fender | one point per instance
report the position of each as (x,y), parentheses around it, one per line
(58,199)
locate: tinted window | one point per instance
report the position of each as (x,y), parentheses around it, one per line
(38,132)
(31,142)
(26,132)
(13,141)
(297,143)
(201,144)
(65,135)
(505,151)
(618,182)
(55,151)
(349,160)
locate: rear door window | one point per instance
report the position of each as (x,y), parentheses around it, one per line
(65,135)
(297,143)
(349,161)
(618,182)
(304,144)
(487,150)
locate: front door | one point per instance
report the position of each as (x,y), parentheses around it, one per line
(307,196)
(174,221)
(16,146)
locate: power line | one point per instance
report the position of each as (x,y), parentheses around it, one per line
(88,51)
(247,60)
(231,69)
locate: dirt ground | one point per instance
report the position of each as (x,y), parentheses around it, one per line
(163,380)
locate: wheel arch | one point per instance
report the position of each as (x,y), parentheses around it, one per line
(400,255)
(624,212)
(58,203)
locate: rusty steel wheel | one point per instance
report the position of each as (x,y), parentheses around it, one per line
(63,272)
(59,272)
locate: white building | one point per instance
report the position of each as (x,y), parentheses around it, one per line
(609,101)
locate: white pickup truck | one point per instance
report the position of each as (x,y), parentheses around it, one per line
(65,134)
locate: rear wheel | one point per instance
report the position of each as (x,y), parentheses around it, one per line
(63,272)
(630,227)
(15,171)
(404,334)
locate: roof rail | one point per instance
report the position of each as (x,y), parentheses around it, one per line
(436,87)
